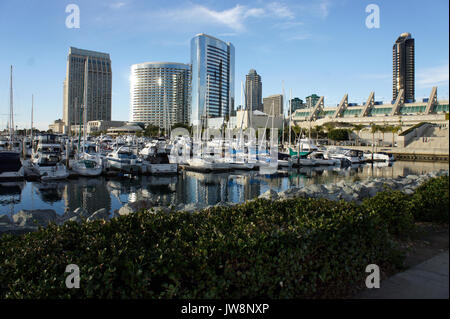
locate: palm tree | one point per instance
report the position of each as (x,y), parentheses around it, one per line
(374,129)
(358,128)
(394,129)
(328,127)
(383,129)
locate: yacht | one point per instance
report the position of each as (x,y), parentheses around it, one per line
(158,163)
(124,160)
(46,158)
(353,156)
(320,159)
(87,165)
(10,166)
(378,157)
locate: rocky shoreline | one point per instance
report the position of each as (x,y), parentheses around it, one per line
(29,220)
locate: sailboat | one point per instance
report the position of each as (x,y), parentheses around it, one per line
(86,164)
(10,163)
(205,162)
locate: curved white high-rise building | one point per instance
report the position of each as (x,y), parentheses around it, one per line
(159,93)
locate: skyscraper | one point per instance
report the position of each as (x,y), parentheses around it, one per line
(297,104)
(98,88)
(253,91)
(273,105)
(311,100)
(403,67)
(159,93)
(212,83)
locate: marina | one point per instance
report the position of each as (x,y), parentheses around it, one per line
(185,188)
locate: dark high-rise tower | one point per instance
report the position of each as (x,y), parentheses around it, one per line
(253,91)
(403,67)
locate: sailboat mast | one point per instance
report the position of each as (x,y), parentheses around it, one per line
(11,109)
(251,104)
(32,107)
(86,68)
(290,115)
(282,123)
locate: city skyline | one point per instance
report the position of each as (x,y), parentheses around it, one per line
(318,47)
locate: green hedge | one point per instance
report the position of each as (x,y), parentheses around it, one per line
(394,209)
(430,202)
(296,248)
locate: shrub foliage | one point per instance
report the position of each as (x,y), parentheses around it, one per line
(296,248)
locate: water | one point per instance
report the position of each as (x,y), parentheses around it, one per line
(187,187)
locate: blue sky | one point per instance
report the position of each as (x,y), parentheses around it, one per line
(315,46)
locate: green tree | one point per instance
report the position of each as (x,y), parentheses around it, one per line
(358,128)
(182,125)
(394,129)
(374,129)
(151,130)
(338,134)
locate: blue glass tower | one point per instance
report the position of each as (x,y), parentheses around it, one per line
(212,83)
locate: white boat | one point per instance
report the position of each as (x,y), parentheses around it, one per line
(46,159)
(55,172)
(87,165)
(320,159)
(353,156)
(124,160)
(209,164)
(379,157)
(158,163)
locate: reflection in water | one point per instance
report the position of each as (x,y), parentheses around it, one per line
(187,187)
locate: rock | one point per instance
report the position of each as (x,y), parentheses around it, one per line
(125,210)
(102,213)
(340,183)
(29,218)
(408,191)
(414,177)
(289,193)
(332,188)
(318,189)
(270,194)
(361,191)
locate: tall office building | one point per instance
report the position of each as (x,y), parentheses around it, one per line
(297,104)
(212,83)
(253,91)
(312,100)
(403,67)
(273,105)
(98,88)
(159,93)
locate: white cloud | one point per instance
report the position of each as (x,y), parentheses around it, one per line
(324,8)
(234,18)
(117,5)
(279,10)
(433,76)
(254,12)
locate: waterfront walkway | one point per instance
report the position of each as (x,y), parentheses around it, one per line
(428,280)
